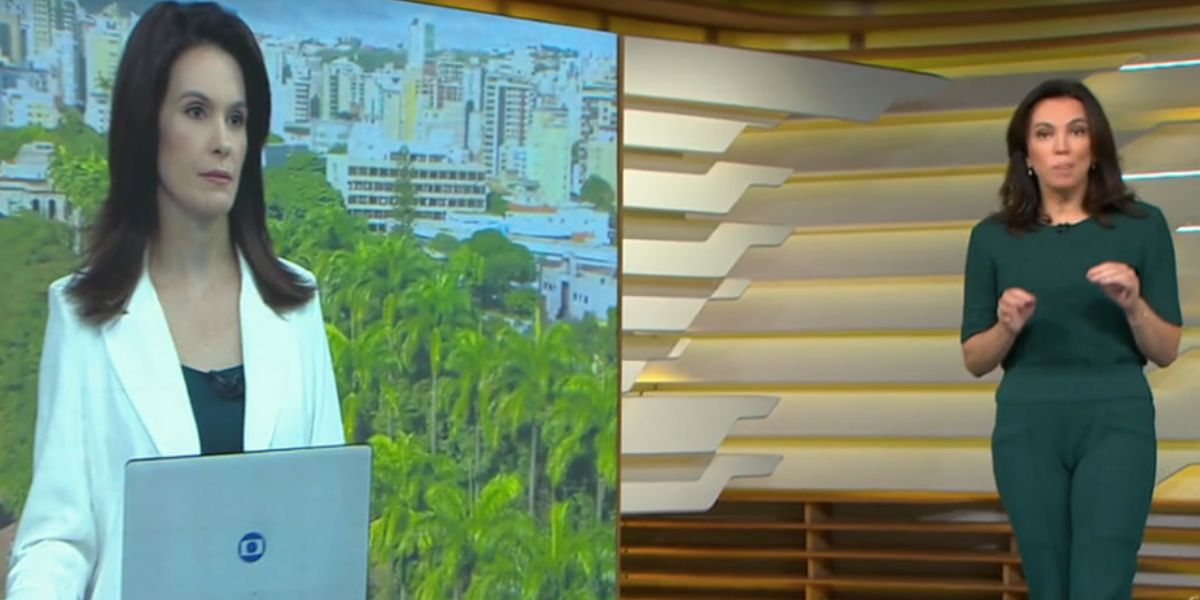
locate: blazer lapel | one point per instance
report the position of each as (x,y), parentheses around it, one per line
(143,354)
(271,355)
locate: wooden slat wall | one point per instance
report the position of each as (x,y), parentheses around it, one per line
(860,546)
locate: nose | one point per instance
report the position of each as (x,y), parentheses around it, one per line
(1062,142)
(221,143)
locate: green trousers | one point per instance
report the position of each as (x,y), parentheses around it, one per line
(1076,480)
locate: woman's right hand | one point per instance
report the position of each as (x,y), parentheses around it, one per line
(1014,309)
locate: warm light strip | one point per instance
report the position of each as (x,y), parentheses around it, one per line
(1166,64)
(1161,175)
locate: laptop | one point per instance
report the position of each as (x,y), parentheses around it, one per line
(287,524)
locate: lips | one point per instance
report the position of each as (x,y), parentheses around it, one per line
(217,176)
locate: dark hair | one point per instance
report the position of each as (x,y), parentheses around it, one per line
(1020,195)
(128,218)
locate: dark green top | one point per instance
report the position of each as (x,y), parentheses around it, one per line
(218,403)
(1078,344)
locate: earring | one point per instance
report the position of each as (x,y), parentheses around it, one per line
(1093,167)
(1029,170)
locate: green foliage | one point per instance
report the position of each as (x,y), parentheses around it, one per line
(38,252)
(83,179)
(497,204)
(505,263)
(599,193)
(405,210)
(494,432)
(72,134)
(443,243)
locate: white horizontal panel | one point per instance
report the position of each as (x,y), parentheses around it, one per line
(684,424)
(665,227)
(1176,197)
(710,74)
(916,200)
(838,305)
(731,289)
(630,371)
(713,257)
(1127,94)
(868,359)
(660,468)
(714,192)
(859,254)
(872,304)
(892,468)
(653,314)
(817,360)
(931,414)
(882,201)
(652,347)
(894,253)
(644,497)
(882,413)
(682,133)
(1168,147)
(921,145)
(970,92)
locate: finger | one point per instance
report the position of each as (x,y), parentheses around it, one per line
(1116,279)
(1019,295)
(1116,290)
(1108,269)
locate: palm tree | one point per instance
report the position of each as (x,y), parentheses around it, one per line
(400,473)
(536,363)
(479,370)
(575,562)
(583,423)
(437,304)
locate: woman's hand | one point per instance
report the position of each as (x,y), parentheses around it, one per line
(1014,309)
(1119,281)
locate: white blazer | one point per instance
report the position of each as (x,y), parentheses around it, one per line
(113,393)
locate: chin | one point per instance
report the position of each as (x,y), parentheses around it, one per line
(211,208)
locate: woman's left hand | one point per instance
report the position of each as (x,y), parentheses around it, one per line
(1119,281)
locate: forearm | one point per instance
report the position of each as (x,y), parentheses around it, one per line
(984,351)
(1157,339)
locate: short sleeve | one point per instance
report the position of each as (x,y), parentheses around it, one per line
(1159,280)
(979,286)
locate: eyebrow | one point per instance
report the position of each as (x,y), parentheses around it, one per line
(240,104)
(1073,121)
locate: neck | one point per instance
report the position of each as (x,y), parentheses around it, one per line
(1063,205)
(189,249)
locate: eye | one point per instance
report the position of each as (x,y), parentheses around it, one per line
(194,111)
(237,119)
(1079,131)
(1041,134)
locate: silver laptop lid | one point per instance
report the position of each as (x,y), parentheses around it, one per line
(276,524)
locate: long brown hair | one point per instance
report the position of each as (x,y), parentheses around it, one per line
(128,218)
(1020,195)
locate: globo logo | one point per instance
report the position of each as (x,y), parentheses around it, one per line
(252,547)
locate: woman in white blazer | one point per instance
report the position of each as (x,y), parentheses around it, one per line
(182,333)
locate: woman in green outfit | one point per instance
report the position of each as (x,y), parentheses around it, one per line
(1071,288)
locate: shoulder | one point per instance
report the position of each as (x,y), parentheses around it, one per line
(988,229)
(1148,211)
(65,328)
(306,276)
(1141,217)
(62,304)
(310,310)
